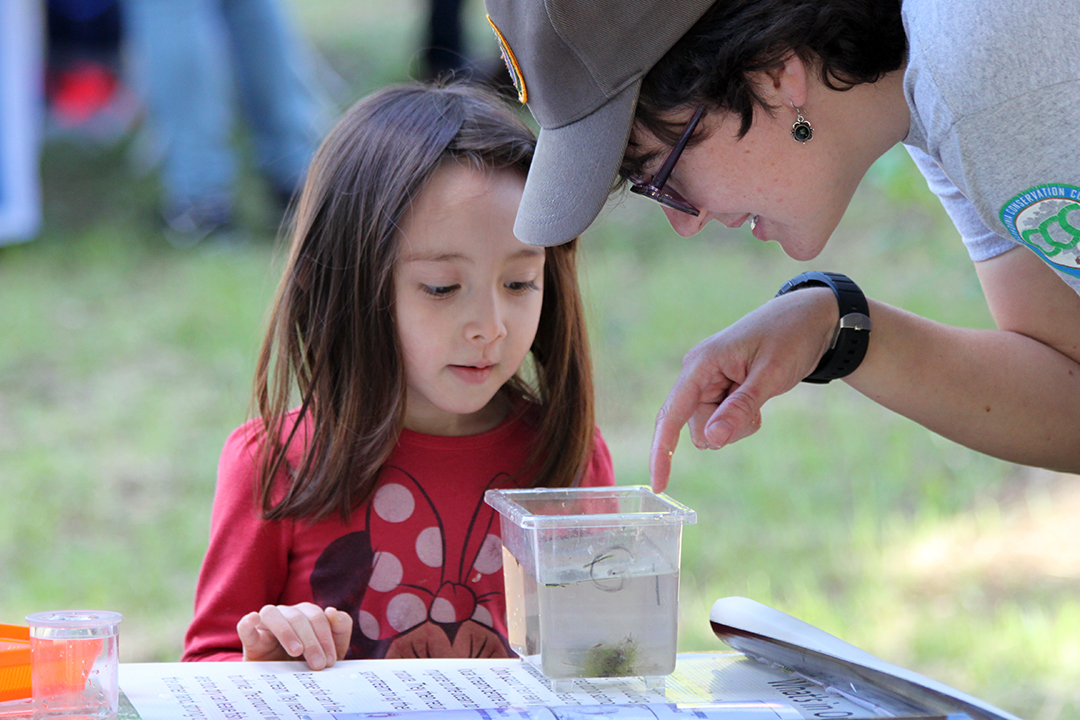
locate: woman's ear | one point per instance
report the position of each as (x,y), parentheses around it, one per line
(786,85)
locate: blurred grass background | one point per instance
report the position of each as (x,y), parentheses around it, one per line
(124,363)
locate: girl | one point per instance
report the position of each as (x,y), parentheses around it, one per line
(435,356)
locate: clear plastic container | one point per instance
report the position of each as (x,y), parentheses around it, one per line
(74,664)
(592,580)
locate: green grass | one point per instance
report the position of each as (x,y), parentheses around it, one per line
(124,363)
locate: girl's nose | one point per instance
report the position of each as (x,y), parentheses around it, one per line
(487,322)
(686,224)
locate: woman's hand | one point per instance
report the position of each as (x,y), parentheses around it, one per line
(727,378)
(288,632)
(1008,392)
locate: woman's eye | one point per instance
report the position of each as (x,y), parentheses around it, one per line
(439,290)
(523,286)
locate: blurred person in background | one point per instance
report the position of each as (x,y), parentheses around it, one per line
(21,60)
(446,51)
(769,113)
(85,93)
(194,61)
(444,44)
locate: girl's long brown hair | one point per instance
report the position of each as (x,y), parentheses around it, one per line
(331,333)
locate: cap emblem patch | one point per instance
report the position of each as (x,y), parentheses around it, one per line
(511,64)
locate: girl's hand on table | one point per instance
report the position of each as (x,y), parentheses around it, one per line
(288,632)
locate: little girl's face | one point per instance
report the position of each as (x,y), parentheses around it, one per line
(468,297)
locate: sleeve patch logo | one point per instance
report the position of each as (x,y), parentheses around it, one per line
(511,64)
(1046,218)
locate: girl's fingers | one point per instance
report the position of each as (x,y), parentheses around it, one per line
(247,631)
(281,632)
(303,631)
(257,641)
(341,625)
(293,630)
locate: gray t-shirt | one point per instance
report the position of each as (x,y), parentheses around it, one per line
(994,93)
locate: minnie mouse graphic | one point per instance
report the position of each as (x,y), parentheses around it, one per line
(417,584)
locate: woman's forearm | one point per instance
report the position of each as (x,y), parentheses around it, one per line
(999,392)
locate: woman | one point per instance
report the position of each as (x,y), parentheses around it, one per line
(770,112)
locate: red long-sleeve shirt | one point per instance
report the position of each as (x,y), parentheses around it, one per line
(418,567)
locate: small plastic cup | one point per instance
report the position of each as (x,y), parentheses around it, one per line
(74,664)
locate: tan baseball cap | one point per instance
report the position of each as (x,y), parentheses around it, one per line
(578,65)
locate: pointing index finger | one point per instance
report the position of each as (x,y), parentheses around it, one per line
(675,412)
(660,463)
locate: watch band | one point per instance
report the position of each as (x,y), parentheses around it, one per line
(852,335)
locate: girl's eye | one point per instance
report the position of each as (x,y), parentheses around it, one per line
(439,290)
(522,287)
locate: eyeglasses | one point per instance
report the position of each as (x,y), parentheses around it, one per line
(654,188)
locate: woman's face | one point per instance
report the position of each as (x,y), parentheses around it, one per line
(797,191)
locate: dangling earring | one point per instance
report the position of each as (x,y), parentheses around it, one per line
(801,129)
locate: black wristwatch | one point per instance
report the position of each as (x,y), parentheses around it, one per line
(852,332)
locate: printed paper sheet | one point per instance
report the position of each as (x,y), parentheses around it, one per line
(288,691)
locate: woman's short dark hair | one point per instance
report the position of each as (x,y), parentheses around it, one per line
(848,41)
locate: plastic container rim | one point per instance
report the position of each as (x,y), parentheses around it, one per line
(503,501)
(77,623)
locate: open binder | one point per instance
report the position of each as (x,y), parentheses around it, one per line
(778,639)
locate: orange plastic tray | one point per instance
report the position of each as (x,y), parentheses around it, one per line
(14,662)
